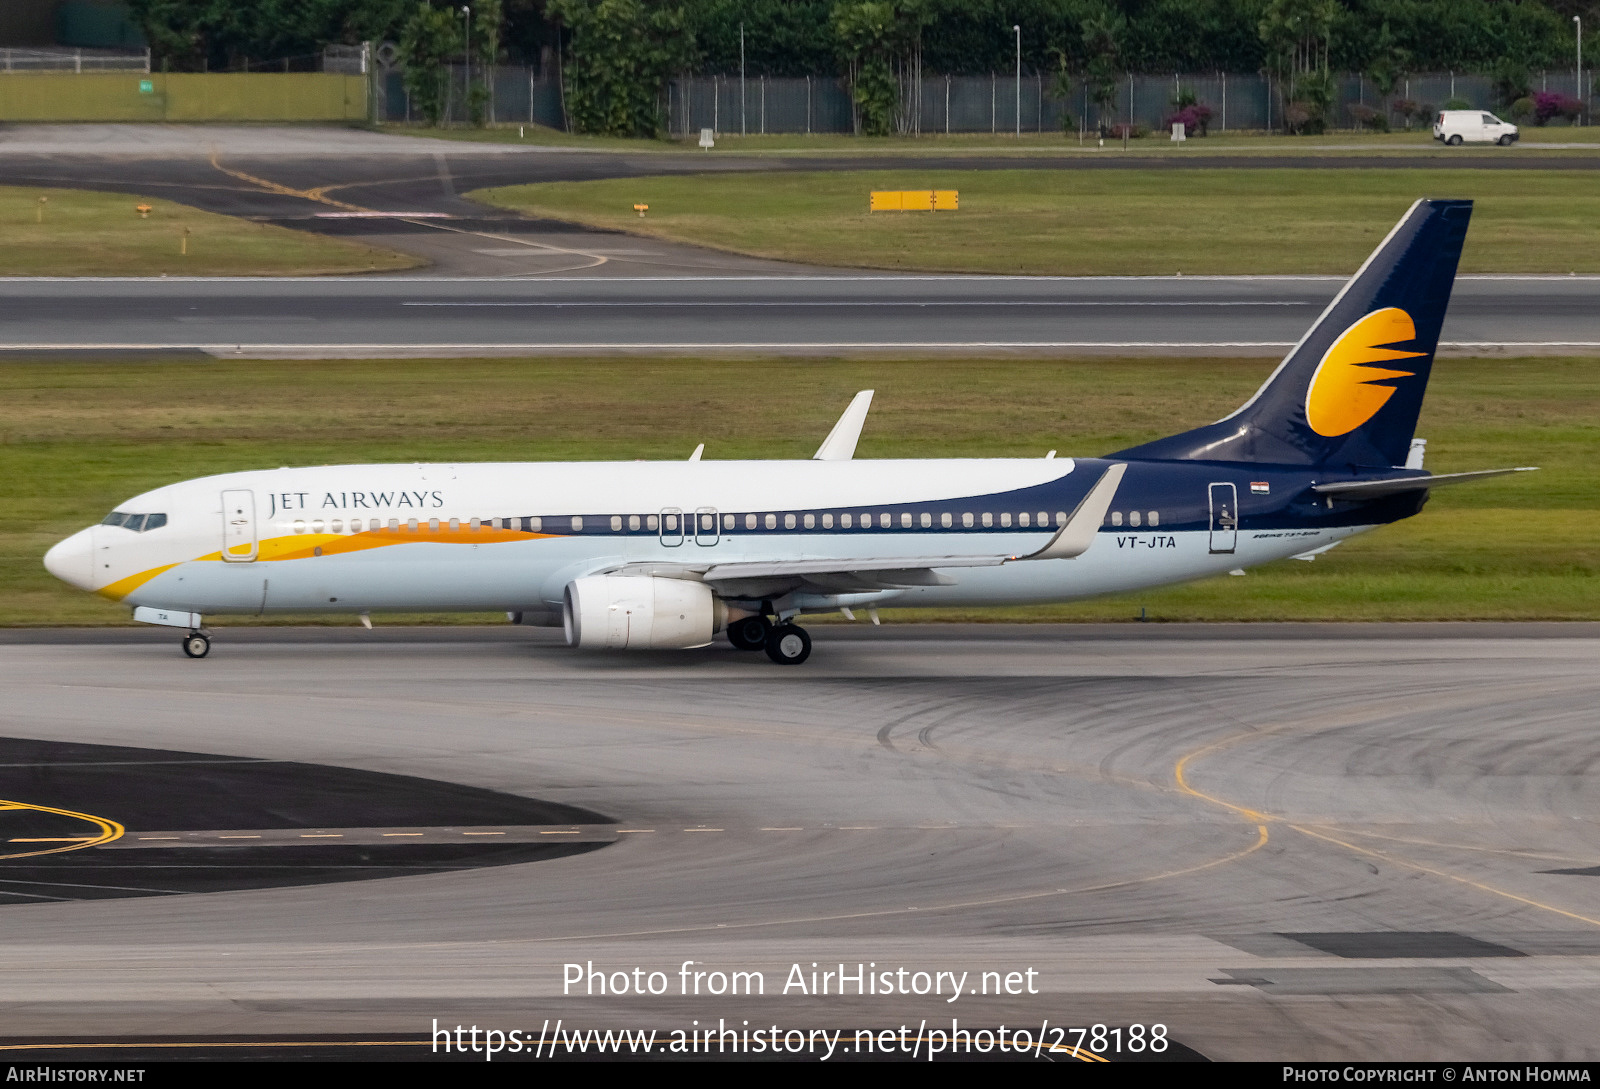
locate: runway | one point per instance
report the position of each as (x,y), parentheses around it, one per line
(833,313)
(1359,842)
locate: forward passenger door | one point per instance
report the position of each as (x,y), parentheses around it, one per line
(239,538)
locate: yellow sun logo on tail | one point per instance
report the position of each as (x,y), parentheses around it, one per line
(1344,393)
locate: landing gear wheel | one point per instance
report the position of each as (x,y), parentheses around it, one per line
(749,633)
(1454,141)
(788,644)
(196,645)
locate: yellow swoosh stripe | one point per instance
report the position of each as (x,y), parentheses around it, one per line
(116,591)
(302,546)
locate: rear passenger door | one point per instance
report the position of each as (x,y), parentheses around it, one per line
(1224,518)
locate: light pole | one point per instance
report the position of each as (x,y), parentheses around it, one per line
(466,82)
(1579,95)
(741,80)
(1018,30)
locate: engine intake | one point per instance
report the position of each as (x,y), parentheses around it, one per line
(623,612)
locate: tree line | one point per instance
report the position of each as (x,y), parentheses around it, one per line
(614,56)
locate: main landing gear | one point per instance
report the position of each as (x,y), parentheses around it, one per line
(196,644)
(749,633)
(786,644)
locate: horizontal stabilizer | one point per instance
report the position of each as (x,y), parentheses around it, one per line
(1315,552)
(1373,489)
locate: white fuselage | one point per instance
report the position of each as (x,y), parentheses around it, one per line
(363,538)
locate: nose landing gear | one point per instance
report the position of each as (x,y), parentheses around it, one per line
(197,644)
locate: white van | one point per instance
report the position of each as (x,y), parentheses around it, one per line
(1455,127)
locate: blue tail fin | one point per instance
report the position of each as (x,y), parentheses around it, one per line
(1350,391)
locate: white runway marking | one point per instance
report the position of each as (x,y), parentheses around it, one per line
(430,350)
(878,305)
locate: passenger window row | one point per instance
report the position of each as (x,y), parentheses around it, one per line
(417,525)
(706,522)
(1152,518)
(373,525)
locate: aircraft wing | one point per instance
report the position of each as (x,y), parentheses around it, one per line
(1373,489)
(765,578)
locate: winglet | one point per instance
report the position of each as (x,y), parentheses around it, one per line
(840,445)
(698,450)
(1079,533)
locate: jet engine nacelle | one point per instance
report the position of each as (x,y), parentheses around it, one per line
(621,612)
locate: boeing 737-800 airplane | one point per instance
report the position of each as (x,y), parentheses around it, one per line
(667,554)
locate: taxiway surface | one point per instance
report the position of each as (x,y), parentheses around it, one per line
(840,312)
(1359,843)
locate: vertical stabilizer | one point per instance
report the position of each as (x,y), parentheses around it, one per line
(1349,393)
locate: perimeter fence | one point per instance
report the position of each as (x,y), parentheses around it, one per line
(516,94)
(1002,103)
(74,60)
(997,103)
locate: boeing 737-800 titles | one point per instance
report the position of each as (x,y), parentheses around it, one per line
(667,554)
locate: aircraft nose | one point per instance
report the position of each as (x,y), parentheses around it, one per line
(72,561)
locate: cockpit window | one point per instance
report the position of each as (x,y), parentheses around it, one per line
(139,523)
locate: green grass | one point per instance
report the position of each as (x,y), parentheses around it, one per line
(1115,222)
(86,233)
(78,438)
